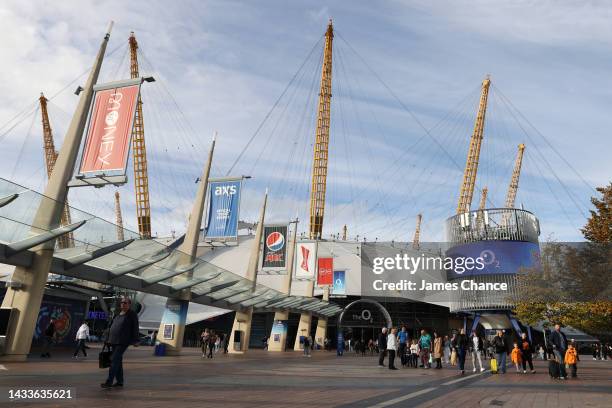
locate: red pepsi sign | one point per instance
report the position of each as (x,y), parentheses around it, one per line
(275,246)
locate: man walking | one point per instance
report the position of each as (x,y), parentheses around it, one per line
(559,342)
(403,341)
(81,336)
(461,344)
(382,347)
(48,339)
(392,348)
(501,348)
(122,333)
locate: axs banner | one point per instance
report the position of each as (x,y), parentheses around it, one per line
(223,208)
(275,246)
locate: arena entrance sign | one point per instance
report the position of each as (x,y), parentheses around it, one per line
(362,320)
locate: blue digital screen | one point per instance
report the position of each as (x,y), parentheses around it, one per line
(496,257)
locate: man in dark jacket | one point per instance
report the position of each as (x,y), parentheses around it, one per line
(382,347)
(500,347)
(123,332)
(559,343)
(461,344)
(48,338)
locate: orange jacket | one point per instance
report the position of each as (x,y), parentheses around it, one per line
(516,355)
(571,356)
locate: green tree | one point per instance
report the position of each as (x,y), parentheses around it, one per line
(599,225)
(572,285)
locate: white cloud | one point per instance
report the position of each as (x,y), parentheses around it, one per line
(227,62)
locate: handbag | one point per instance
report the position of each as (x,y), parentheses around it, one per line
(104,358)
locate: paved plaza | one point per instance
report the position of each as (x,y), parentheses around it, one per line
(265,379)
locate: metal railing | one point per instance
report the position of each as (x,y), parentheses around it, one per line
(493,224)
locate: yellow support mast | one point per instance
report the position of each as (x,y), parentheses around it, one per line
(416,241)
(321,147)
(119,218)
(471,165)
(481,206)
(139,154)
(483,198)
(66,240)
(516,174)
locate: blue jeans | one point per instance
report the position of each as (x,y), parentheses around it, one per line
(461,355)
(115,371)
(560,355)
(501,361)
(80,347)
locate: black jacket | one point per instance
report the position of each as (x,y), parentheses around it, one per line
(460,342)
(499,344)
(558,340)
(124,329)
(529,348)
(50,331)
(382,341)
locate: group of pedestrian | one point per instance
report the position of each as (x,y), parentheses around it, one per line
(211,343)
(601,351)
(425,350)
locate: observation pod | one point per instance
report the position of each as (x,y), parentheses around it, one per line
(506,240)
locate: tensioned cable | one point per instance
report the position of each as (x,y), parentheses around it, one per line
(401,103)
(543,157)
(272,109)
(23,145)
(35,103)
(546,140)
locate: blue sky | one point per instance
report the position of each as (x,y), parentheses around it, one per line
(225,63)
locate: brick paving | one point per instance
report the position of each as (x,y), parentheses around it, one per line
(263,379)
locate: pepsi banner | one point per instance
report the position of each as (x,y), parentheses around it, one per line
(223,208)
(339,283)
(275,246)
(325,273)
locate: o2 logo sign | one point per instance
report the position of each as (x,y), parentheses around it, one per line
(365,315)
(228,190)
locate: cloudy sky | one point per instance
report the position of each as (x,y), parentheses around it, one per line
(406,84)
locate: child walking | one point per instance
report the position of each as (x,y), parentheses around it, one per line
(414,354)
(517,357)
(571,359)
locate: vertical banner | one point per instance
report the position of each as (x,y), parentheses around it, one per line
(325,274)
(279,330)
(339,283)
(306,260)
(275,246)
(223,208)
(109,134)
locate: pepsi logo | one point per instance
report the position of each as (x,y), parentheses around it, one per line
(275,241)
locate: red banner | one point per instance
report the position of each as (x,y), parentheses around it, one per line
(107,142)
(325,274)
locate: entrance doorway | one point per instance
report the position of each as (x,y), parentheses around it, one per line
(361,321)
